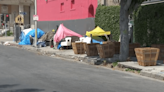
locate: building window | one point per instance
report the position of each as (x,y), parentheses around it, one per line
(62,7)
(72,4)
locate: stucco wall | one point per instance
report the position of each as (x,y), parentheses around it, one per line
(13,10)
(51,10)
(27,16)
(9,8)
(14,13)
(32,12)
(80,26)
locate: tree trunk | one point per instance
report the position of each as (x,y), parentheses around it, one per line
(124,48)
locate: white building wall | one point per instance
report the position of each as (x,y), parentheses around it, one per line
(16,6)
(14,13)
(32,12)
(27,15)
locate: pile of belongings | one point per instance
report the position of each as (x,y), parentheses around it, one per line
(25,37)
(62,33)
(45,39)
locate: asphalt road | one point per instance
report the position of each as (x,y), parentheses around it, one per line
(24,71)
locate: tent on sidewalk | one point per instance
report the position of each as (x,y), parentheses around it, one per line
(98,32)
(63,32)
(26,39)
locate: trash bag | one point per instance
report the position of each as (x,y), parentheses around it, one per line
(26,40)
(41,44)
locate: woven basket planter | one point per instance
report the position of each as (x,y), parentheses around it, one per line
(91,49)
(147,56)
(106,50)
(117,47)
(78,48)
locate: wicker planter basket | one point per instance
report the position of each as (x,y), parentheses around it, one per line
(117,47)
(161,52)
(78,48)
(106,50)
(132,46)
(147,56)
(91,49)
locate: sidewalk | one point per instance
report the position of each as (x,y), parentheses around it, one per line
(7,38)
(156,72)
(68,54)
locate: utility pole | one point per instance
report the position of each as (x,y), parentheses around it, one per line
(5,26)
(35,24)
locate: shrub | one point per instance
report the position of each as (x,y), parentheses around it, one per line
(107,17)
(148,24)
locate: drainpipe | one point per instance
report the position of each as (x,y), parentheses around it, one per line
(35,24)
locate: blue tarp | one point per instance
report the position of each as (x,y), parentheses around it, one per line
(21,36)
(59,45)
(95,41)
(26,40)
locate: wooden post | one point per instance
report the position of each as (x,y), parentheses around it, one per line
(107,37)
(91,38)
(111,38)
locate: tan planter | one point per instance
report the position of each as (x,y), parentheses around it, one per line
(147,56)
(91,49)
(106,50)
(78,48)
(117,47)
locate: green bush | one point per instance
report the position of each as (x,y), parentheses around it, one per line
(107,17)
(148,24)
(9,33)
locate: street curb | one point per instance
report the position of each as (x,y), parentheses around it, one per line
(88,60)
(127,66)
(145,72)
(152,75)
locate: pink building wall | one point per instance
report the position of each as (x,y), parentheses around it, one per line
(58,10)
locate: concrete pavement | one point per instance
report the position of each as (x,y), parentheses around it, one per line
(7,38)
(156,72)
(24,71)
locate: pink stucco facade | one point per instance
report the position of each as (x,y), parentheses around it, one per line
(58,10)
